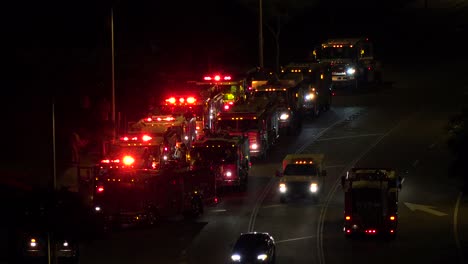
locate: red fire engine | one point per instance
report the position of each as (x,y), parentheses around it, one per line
(228,156)
(257,119)
(371,201)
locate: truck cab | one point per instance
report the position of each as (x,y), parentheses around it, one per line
(301,176)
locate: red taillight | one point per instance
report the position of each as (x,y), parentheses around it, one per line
(227,78)
(165,148)
(226,107)
(181,100)
(170,118)
(391,231)
(128,160)
(333,93)
(124,138)
(207,78)
(105,161)
(149,119)
(348,231)
(146,138)
(100,189)
(216,200)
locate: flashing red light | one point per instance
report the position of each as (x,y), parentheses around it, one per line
(105,161)
(191,100)
(100,189)
(348,231)
(226,107)
(171,100)
(369,68)
(116,161)
(231,103)
(227,78)
(250,88)
(181,100)
(217,78)
(169,118)
(124,138)
(149,119)
(391,231)
(146,138)
(216,200)
(165,148)
(128,160)
(207,78)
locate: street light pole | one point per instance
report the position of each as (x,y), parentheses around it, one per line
(260,34)
(114,126)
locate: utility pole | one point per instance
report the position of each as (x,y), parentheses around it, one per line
(260,34)
(114,125)
(54,160)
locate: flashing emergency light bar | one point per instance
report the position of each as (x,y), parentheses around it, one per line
(144,138)
(188,100)
(169,118)
(217,78)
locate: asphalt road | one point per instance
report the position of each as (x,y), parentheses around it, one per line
(401,125)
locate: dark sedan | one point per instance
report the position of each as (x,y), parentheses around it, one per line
(254,247)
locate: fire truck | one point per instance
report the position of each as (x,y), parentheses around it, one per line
(257,119)
(301,175)
(288,105)
(314,85)
(228,156)
(371,201)
(178,116)
(127,192)
(352,61)
(258,77)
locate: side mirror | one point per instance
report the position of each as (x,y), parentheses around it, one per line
(279,174)
(324,173)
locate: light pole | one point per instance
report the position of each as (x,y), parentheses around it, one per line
(260,34)
(114,126)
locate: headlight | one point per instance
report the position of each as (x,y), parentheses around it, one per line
(254,146)
(262,257)
(228,174)
(282,188)
(97,208)
(65,244)
(313,187)
(284,116)
(33,242)
(236,257)
(350,71)
(310,96)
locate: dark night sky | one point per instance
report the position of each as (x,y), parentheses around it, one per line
(61,49)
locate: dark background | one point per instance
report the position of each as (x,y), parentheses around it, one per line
(60,52)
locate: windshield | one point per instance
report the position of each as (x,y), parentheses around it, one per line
(338,53)
(301,169)
(251,243)
(204,155)
(238,125)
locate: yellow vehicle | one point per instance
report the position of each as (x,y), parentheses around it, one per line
(301,175)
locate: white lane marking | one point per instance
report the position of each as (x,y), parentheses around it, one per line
(218,210)
(455,226)
(415,163)
(321,222)
(348,137)
(294,239)
(424,208)
(273,205)
(262,196)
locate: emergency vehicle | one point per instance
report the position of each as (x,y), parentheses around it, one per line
(258,77)
(352,60)
(287,102)
(176,114)
(301,175)
(231,88)
(257,119)
(371,201)
(314,85)
(228,156)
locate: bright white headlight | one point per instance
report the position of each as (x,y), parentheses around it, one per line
(350,71)
(284,116)
(310,96)
(262,257)
(65,244)
(236,257)
(313,187)
(282,188)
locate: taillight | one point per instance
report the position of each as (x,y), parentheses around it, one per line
(348,218)
(146,138)
(392,218)
(100,189)
(128,160)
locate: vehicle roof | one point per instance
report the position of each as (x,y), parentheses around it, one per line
(253,238)
(343,41)
(316,157)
